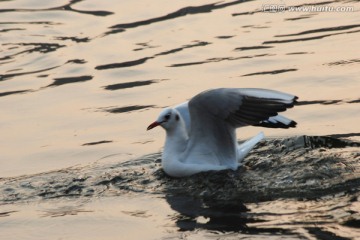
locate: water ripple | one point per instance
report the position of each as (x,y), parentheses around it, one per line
(329,29)
(271,72)
(343,62)
(4,77)
(179,13)
(35,47)
(326,102)
(66,7)
(309,38)
(251,48)
(97,143)
(125,85)
(145,59)
(219,59)
(66,80)
(126,109)
(3,94)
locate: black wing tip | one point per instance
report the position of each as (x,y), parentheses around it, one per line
(292,124)
(295,100)
(256,111)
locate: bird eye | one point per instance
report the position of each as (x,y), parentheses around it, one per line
(167,116)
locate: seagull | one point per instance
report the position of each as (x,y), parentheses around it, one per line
(200,133)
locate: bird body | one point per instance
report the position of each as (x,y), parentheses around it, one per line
(200,134)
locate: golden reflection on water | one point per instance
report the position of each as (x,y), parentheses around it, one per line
(47,125)
(106,218)
(50,124)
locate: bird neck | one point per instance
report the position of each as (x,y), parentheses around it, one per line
(177,137)
(175,142)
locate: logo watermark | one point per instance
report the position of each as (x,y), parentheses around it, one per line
(275,8)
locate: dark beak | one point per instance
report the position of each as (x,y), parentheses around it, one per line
(154,124)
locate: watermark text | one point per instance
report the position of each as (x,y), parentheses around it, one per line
(275,8)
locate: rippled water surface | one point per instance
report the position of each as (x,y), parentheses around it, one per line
(81,80)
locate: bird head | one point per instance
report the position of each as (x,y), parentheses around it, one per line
(167,119)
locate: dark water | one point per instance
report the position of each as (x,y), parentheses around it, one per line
(81,80)
(298,188)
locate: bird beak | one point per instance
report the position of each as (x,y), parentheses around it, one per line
(154,124)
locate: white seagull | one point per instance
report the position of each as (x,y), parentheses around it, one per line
(200,133)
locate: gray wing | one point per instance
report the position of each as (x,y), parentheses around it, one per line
(215,114)
(241,106)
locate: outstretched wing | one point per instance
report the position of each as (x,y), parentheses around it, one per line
(242,106)
(215,114)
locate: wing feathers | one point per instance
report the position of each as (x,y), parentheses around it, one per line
(255,111)
(248,106)
(277,122)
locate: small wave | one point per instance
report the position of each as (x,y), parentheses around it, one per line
(297,167)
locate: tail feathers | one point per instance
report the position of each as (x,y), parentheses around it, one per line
(277,121)
(247,146)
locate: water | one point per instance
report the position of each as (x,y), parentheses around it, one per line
(81,80)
